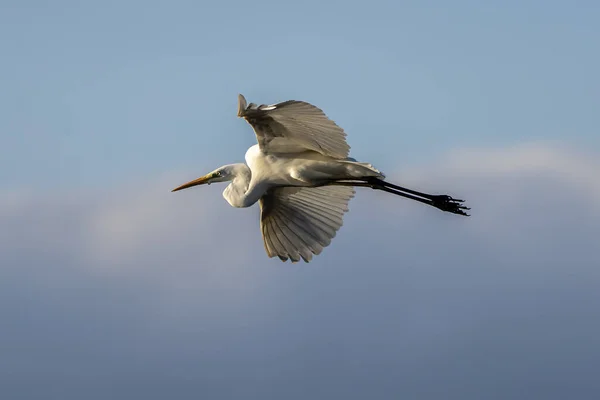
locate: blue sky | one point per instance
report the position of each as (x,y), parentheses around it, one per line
(111,286)
(96,93)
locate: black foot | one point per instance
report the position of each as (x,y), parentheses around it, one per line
(447,203)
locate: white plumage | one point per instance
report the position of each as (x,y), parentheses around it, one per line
(302,178)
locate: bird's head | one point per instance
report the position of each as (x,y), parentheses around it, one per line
(223,174)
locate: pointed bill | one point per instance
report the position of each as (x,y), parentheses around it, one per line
(200,181)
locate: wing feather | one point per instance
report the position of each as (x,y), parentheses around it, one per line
(320,227)
(279,229)
(279,248)
(297,246)
(294,126)
(297,223)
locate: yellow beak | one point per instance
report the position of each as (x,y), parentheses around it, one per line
(200,181)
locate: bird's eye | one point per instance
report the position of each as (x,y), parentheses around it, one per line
(217,174)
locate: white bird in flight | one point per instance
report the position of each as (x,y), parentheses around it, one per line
(302,178)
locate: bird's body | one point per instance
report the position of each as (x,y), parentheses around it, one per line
(305,169)
(302,177)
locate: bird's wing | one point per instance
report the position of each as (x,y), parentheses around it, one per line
(294,126)
(299,222)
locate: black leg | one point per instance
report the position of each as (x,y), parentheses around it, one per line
(441,202)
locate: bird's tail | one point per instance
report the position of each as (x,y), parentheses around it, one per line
(362,169)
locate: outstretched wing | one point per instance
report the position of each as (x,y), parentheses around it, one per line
(294,126)
(299,222)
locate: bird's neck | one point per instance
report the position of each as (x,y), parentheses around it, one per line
(237,193)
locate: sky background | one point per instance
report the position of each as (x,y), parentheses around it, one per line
(113,287)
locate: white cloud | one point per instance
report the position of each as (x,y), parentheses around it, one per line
(553,161)
(117,227)
(519,195)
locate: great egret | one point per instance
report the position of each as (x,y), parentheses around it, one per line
(302,178)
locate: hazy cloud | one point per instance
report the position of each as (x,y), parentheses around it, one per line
(139,292)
